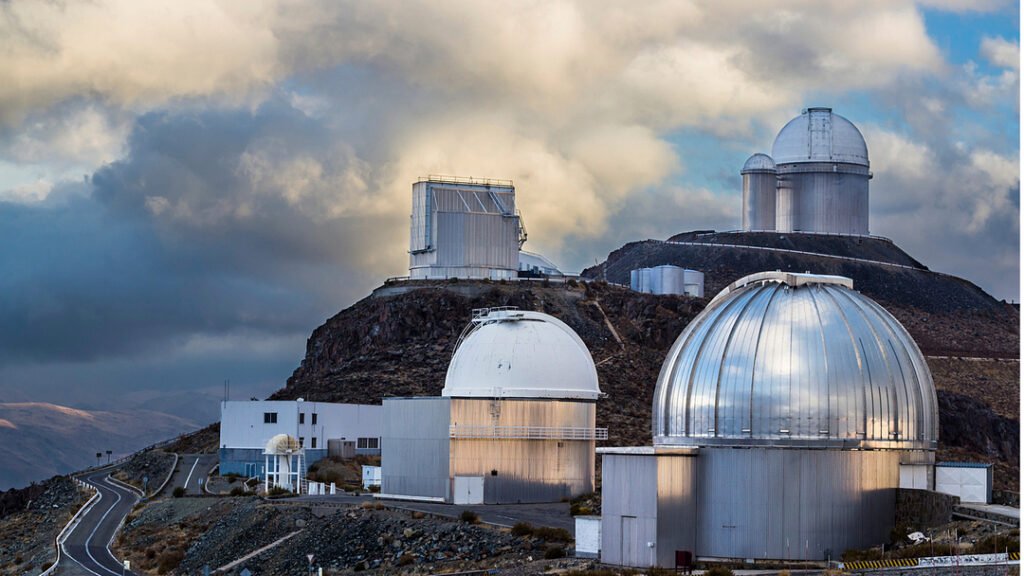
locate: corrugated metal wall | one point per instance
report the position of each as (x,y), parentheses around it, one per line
(677,506)
(816,199)
(629,509)
(794,504)
(524,470)
(759,200)
(414,447)
(463,230)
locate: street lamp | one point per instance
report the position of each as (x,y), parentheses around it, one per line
(108,456)
(98,456)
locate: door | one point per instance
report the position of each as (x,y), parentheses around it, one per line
(630,545)
(468,490)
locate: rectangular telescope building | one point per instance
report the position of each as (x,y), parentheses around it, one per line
(464,228)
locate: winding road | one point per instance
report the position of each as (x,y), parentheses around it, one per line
(87,546)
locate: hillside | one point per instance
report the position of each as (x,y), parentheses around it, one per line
(38,439)
(398,343)
(948,316)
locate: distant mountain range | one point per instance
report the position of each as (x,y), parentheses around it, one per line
(38,439)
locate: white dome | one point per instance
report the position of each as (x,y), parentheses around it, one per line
(282,444)
(518,354)
(820,135)
(779,358)
(758,162)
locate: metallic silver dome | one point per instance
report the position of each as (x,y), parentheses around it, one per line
(758,162)
(795,359)
(820,135)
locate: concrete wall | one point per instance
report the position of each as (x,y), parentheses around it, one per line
(588,536)
(924,508)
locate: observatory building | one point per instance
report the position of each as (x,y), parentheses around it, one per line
(515,422)
(816,179)
(782,417)
(464,228)
(246,427)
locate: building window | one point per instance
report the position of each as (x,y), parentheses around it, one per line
(302,418)
(270,417)
(314,418)
(368,443)
(302,441)
(312,442)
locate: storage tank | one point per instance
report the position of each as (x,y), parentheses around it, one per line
(822,166)
(667,279)
(759,183)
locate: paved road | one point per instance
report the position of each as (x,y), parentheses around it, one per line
(190,471)
(88,545)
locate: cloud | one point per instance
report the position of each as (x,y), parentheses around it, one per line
(131,54)
(969,194)
(1001,52)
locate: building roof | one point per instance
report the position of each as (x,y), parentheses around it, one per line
(820,135)
(758,163)
(508,353)
(795,359)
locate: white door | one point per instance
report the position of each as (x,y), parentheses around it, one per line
(469,490)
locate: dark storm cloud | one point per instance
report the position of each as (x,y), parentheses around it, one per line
(188,234)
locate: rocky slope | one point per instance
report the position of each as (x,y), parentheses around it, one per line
(948,316)
(182,535)
(30,520)
(399,342)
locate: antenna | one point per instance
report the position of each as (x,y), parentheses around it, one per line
(227,390)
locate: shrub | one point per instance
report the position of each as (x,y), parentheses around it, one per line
(238,491)
(552,534)
(150,553)
(279,491)
(577,509)
(417,515)
(178,492)
(359,567)
(469,517)
(553,552)
(522,529)
(719,571)
(406,559)
(375,489)
(169,561)
(995,544)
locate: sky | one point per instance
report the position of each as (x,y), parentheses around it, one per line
(187,189)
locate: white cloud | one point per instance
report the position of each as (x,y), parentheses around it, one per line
(1001,52)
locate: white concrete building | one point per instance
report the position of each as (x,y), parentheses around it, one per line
(246,426)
